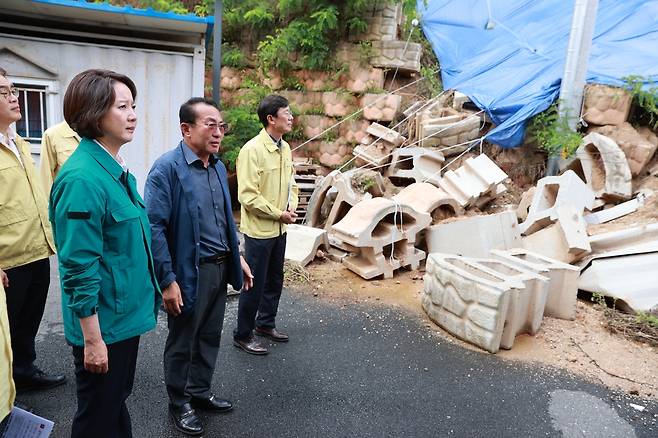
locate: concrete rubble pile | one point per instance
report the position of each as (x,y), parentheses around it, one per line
(492,277)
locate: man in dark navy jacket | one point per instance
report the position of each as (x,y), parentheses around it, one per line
(196,254)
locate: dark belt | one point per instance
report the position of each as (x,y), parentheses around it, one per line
(216,259)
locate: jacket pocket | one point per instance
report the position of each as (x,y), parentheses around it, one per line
(125,213)
(11,213)
(121,296)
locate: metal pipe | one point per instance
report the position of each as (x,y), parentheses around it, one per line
(575,68)
(217,52)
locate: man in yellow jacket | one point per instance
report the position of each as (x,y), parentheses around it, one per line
(7,390)
(26,242)
(57,145)
(268,195)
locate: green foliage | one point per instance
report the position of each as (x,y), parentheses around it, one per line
(552,133)
(647,318)
(175,6)
(647,99)
(233,56)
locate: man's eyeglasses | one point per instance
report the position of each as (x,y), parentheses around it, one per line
(224,127)
(6,92)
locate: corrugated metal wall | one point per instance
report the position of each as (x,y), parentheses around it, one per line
(164,81)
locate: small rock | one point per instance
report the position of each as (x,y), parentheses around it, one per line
(315,294)
(634,391)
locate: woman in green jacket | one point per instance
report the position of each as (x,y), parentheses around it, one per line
(109,291)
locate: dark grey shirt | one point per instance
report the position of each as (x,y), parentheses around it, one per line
(212,217)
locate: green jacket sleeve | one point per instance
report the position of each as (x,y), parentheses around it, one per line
(77,213)
(249,195)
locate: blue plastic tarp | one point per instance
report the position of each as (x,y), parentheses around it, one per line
(512,68)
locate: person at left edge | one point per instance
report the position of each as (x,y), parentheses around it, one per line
(25,244)
(110,295)
(196,253)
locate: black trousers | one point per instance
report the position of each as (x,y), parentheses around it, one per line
(259,305)
(26,300)
(194,336)
(102,411)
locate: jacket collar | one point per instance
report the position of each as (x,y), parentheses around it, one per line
(68,132)
(267,141)
(102,157)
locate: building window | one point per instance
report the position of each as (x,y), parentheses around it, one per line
(34,122)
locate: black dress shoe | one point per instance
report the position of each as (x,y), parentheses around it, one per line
(272,333)
(212,403)
(251,346)
(186,420)
(37,381)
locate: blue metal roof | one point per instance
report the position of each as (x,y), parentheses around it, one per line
(149,12)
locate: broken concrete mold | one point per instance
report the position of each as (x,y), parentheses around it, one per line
(414,164)
(552,192)
(447,128)
(563,279)
(302,243)
(524,203)
(565,239)
(605,105)
(526,306)
(636,147)
(475,236)
(382,133)
(466,300)
(476,177)
(604,167)
(427,198)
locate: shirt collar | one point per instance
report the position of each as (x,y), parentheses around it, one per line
(119,159)
(12,136)
(191,156)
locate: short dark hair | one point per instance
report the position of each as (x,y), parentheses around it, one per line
(88,98)
(3,72)
(187,114)
(269,106)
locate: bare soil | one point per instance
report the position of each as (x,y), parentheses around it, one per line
(583,346)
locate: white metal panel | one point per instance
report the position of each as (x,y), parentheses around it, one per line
(164,81)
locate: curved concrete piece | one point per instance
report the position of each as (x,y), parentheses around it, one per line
(524,203)
(552,192)
(466,300)
(563,279)
(427,198)
(637,147)
(605,167)
(377,222)
(415,164)
(302,243)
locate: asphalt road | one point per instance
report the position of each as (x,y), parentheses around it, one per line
(358,371)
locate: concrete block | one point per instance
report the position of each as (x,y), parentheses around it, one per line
(381,132)
(632,279)
(353,131)
(304,101)
(466,300)
(565,240)
(475,236)
(303,243)
(609,214)
(313,80)
(314,125)
(415,164)
(458,100)
(446,128)
(605,167)
(380,107)
(338,104)
(383,23)
(231,78)
(369,263)
(396,54)
(636,147)
(563,279)
(475,178)
(627,238)
(361,79)
(427,198)
(376,154)
(605,105)
(553,192)
(377,222)
(526,306)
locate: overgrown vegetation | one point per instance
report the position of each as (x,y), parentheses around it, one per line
(641,326)
(646,99)
(552,133)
